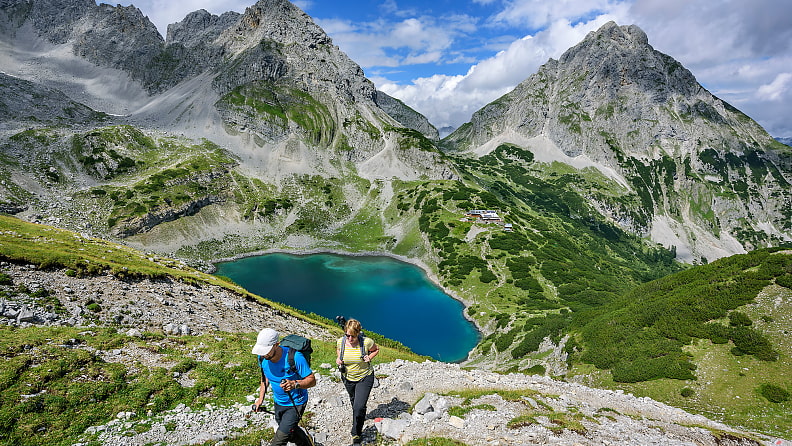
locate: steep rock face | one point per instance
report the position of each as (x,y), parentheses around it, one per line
(199,28)
(54,20)
(118,37)
(698,165)
(315,62)
(274,41)
(190,48)
(406,116)
(23,101)
(287,85)
(109,36)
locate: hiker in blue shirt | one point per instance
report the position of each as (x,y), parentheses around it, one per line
(289,389)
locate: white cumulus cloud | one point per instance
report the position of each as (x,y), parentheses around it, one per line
(775,90)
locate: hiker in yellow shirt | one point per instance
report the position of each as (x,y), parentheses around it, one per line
(354,353)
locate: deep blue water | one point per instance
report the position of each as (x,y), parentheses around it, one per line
(393,298)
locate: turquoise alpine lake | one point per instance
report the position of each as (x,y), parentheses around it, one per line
(390,297)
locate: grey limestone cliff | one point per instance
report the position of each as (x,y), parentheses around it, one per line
(406,116)
(200,28)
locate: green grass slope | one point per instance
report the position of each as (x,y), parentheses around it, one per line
(712,339)
(53,384)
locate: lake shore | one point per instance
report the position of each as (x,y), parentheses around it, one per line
(409,260)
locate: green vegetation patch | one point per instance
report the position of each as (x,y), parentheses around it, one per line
(507,395)
(55,386)
(111,151)
(774,393)
(435,441)
(280,104)
(640,336)
(409,138)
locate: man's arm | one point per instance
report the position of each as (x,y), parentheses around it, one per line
(262,390)
(305,383)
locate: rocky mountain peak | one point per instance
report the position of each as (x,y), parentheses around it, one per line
(200,27)
(616,59)
(625,36)
(277,20)
(625,108)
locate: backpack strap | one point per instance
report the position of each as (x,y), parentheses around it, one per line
(261,369)
(290,359)
(361,342)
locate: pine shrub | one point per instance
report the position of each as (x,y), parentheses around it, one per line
(773,393)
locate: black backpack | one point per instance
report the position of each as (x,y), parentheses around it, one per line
(297,343)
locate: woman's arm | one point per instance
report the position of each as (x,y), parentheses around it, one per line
(373,351)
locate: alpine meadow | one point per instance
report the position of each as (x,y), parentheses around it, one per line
(621,238)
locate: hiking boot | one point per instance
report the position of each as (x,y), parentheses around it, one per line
(356,440)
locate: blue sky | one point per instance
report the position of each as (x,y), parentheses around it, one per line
(448,58)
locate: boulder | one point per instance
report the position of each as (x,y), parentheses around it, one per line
(391,428)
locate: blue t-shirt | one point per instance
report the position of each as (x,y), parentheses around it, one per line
(277,371)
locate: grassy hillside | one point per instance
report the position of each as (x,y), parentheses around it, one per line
(712,339)
(55,381)
(562,259)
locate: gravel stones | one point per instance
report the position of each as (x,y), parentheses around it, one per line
(391,414)
(168,306)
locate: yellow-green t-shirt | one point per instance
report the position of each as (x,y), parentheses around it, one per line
(357,368)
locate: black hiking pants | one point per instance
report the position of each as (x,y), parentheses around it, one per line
(288,427)
(359,392)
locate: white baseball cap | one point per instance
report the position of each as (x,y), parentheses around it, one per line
(266,339)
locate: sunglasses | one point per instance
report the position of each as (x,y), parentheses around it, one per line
(349,336)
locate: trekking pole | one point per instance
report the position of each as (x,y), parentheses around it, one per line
(299,417)
(260,407)
(294,404)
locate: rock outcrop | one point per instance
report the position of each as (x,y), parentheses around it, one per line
(22,102)
(406,116)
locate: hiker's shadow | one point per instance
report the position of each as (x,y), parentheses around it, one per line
(389,410)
